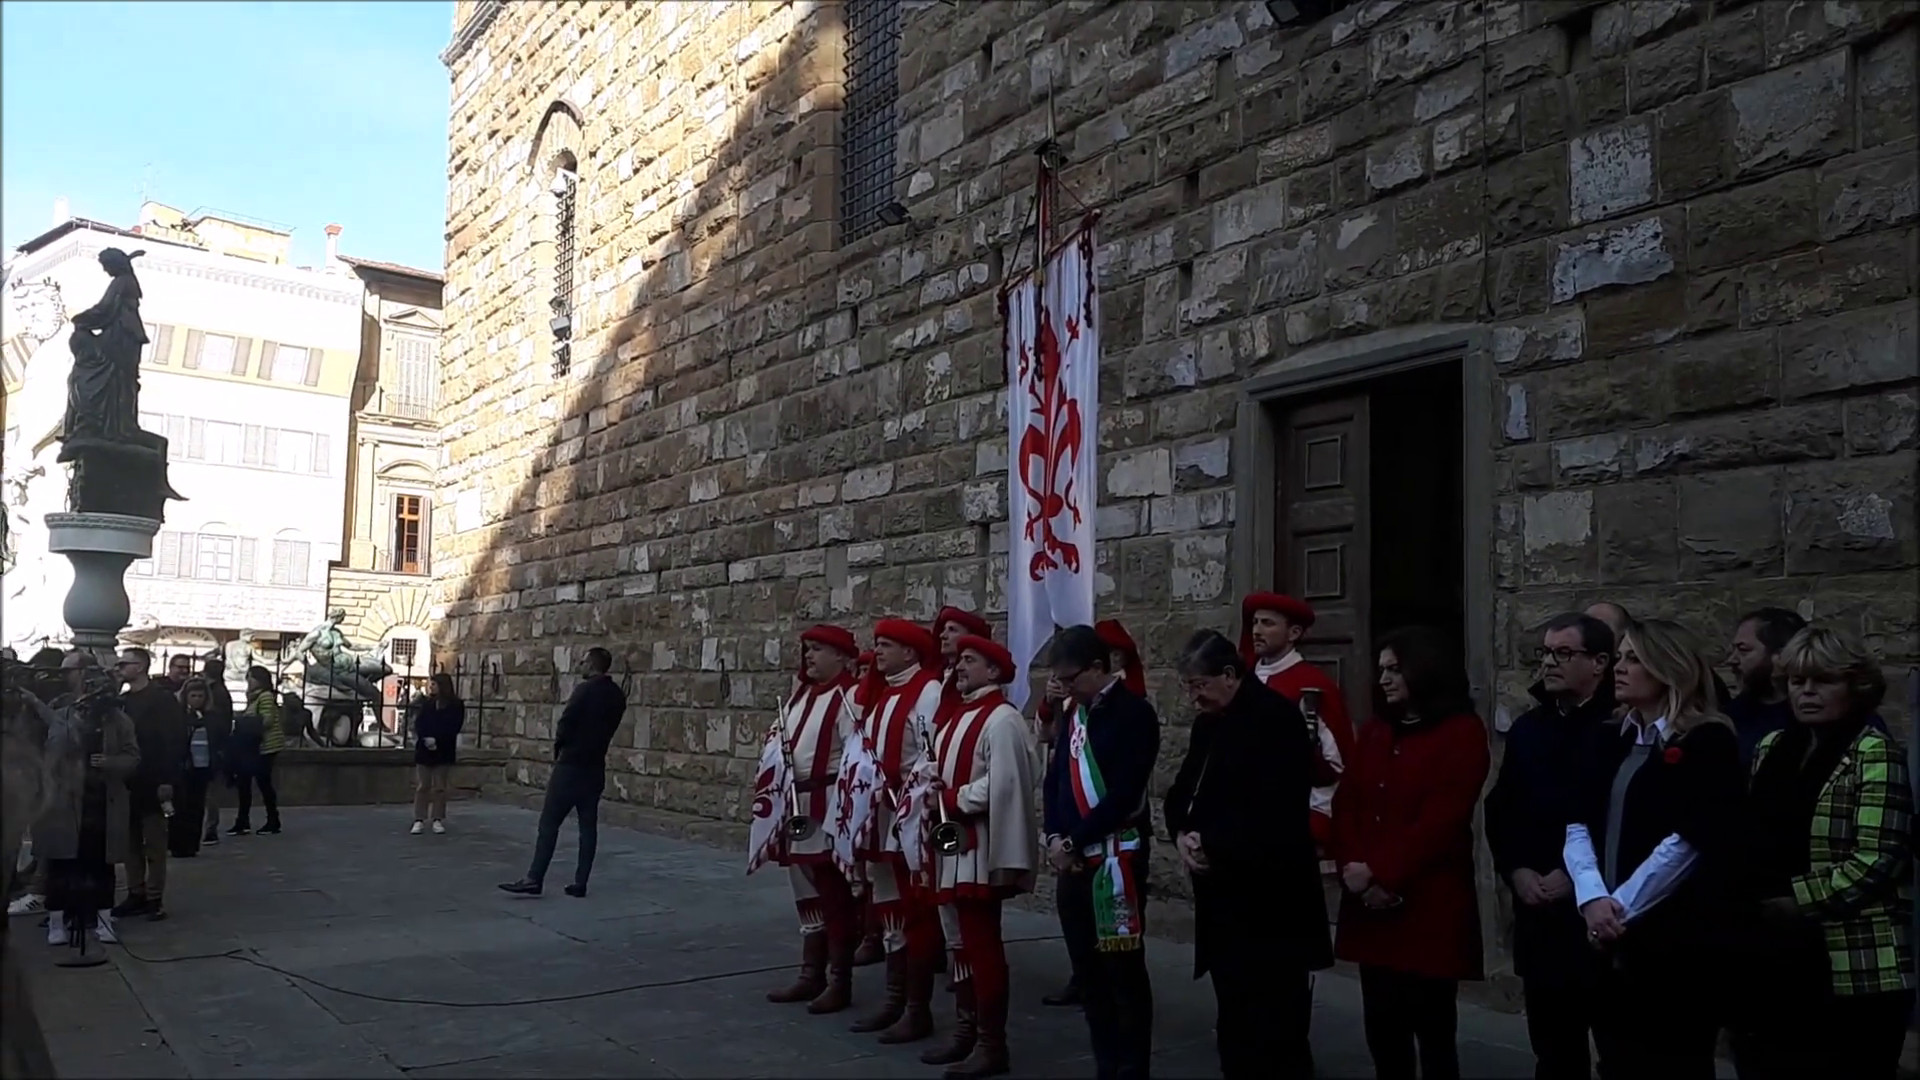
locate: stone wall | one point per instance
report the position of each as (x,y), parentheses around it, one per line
(1686,227)
(378,603)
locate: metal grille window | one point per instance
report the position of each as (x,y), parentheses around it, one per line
(868,117)
(405,651)
(566,188)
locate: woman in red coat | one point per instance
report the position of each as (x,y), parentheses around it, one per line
(1403,836)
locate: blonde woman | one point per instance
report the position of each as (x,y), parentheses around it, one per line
(1650,852)
(1829,820)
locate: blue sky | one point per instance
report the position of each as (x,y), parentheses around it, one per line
(297,113)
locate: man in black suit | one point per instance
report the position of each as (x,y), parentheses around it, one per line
(580,743)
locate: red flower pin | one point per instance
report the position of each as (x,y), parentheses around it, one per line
(1672,755)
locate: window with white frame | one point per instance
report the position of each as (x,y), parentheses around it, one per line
(289,364)
(215,556)
(216,352)
(223,443)
(291,561)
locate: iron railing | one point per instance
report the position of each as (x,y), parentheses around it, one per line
(869,121)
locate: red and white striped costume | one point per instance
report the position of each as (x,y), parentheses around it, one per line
(897,722)
(985,755)
(814,724)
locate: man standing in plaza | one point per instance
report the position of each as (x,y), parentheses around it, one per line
(580,742)
(1759,703)
(1098,834)
(949,627)
(1270,631)
(160,725)
(902,700)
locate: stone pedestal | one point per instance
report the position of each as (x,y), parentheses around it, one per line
(100,547)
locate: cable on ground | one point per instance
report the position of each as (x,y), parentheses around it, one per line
(242,956)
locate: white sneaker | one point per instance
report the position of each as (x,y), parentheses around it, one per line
(103,932)
(30,904)
(418,828)
(439,828)
(57,931)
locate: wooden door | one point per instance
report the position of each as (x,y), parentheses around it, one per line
(1322,529)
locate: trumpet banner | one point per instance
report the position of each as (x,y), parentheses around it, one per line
(913,825)
(770,810)
(854,820)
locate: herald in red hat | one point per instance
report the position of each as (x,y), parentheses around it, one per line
(1133,676)
(1296,612)
(992,652)
(913,636)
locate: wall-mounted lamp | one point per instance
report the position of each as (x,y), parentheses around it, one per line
(893,214)
(562,179)
(1296,12)
(561,325)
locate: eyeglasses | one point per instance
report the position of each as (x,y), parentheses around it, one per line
(1559,656)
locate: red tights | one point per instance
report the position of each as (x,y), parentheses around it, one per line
(985,951)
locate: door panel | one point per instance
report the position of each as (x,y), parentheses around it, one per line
(1322,528)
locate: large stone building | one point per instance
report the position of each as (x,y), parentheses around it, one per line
(1469,312)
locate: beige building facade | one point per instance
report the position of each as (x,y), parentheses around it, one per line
(1457,312)
(384,580)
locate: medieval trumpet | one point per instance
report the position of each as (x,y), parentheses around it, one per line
(949,836)
(798,827)
(1310,708)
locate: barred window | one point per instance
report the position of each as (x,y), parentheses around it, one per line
(869,119)
(566,188)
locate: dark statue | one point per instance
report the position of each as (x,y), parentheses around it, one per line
(117,467)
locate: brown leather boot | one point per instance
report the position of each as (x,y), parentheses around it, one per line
(989,1057)
(965,1031)
(895,1002)
(871,951)
(812,978)
(839,992)
(916,1020)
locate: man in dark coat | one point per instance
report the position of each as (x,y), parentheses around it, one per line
(1526,826)
(580,742)
(1260,915)
(219,730)
(160,725)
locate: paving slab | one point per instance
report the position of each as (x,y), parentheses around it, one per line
(360,951)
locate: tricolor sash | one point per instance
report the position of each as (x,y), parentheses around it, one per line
(1119,920)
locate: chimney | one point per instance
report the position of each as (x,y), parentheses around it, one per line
(333,244)
(61,214)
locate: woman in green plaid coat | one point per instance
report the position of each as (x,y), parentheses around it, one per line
(1832,810)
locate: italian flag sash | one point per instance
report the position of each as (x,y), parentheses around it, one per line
(1118,919)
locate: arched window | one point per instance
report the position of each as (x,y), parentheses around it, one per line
(566,190)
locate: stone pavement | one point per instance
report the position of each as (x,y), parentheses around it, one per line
(376,934)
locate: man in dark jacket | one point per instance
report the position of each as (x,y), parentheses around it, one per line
(160,725)
(1259,910)
(1098,829)
(580,743)
(1526,825)
(219,730)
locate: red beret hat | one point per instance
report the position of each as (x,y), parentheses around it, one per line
(1117,639)
(992,652)
(1294,611)
(837,638)
(967,620)
(913,636)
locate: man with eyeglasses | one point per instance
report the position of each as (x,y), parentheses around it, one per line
(1527,814)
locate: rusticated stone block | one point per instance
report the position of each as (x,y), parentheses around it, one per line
(1852,515)
(1731,523)
(1527,196)
(1876,190)
(1721,373)
(1845,352)
(1790,116)
(1771,437)
(1754,221)
(1636,526)
(1558,538)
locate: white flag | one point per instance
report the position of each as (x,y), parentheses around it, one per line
(770,810)
(1053,402)
(854,819)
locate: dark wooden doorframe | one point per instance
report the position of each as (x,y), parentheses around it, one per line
(1267,393)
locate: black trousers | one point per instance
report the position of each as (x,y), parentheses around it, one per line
(1841,1035)
(189,813)
(1559,1016)
(571,789)
(1264,1017)
(1116,991)
(1409,1019)
(261,774)
(1680,1046)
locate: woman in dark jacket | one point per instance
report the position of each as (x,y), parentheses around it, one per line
(1403,838)
(1260,915)
(1830,812)
(1651,851)
(184,830)
(436,729)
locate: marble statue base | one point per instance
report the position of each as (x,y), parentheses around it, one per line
(100,547)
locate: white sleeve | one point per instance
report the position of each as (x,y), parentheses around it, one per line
(1583,866)
(1657,878)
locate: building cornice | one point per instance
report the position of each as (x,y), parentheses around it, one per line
(45,260)
(470,34)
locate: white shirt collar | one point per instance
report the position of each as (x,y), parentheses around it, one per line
(901,677)
(1267,669)
(1644,734)
(976,695)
